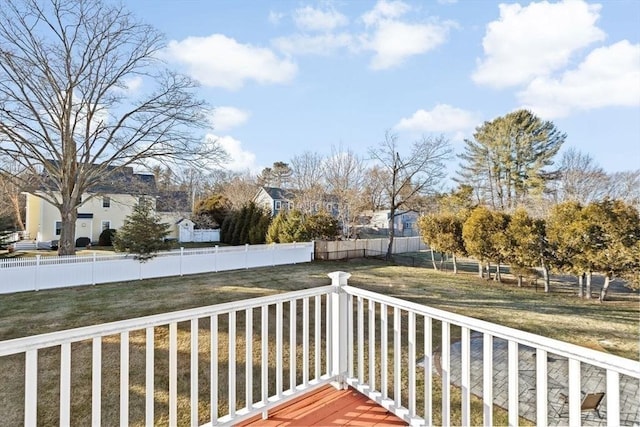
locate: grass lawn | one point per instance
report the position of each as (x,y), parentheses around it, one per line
(610,327)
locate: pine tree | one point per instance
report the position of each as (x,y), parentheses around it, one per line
(507,158)
(142,233)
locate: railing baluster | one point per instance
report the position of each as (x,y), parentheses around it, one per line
(445,365)
(613,398)
(279,349)
(213,399)
(411,338)
(512,369)
(96,380)
(232,364)
(305,341)
(265,356)
(194,372)
(350,344)
(541,388)
(292,344)
(65,384)
(248,356)
(428,371)
(397,357)
(372,344)
(317,345)
(360,340)
(149,380)
(574,392)
(465,369)
(173,373)
(384,331)
(124,379)
(487,379)
(31,388)
(328,333)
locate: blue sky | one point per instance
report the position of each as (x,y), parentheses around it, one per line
(293,76)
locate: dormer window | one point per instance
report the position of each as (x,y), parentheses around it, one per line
(106,202)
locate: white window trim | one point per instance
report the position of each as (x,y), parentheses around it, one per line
(55,228)
(102,223)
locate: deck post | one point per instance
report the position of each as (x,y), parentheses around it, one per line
(339,329)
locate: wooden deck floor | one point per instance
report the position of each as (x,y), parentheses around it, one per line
(328,407)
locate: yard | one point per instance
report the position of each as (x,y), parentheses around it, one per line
(610,327)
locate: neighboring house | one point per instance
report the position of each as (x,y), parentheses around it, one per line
(274,199)
(106,206)
(174,208)
(277,199)
(405,222)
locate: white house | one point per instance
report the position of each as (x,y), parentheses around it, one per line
(106,206)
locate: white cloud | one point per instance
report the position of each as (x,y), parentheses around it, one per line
(220,61)
(394,41)
(226,118)
(311,19)
(240,160)
(391,39)
(323,44)
(442,118)
(384,10)
(535,40)
(275,17)
(609,76)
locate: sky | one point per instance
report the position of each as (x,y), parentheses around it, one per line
(287,77)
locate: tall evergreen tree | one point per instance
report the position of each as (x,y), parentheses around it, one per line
(142,233)
(508,158)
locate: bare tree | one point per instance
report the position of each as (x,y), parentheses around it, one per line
(240,191)
(69,110)
(11,199)
(625,186)
(410,176)
(581,179)
(345,175)
(307,180)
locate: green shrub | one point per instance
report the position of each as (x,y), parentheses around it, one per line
(106,237)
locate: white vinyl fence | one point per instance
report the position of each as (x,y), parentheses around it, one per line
(32,274)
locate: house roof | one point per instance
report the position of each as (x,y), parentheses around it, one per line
(279,193)
(173,201)
(116,180)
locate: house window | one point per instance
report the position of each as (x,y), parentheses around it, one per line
(58,227)
(278,204)
(106,202)
(106,225)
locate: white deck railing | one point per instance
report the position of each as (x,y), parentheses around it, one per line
(232,361)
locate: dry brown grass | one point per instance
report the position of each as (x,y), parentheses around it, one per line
(611,326)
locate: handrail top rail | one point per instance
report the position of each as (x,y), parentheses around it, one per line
(23,344)
(597,358)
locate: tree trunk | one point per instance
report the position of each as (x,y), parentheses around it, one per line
(581,285)
(67,242)
(15,207)
(545,275)
(587,291)
(455,265)
(441,261)
(605,286)
(433,260)
(392,232)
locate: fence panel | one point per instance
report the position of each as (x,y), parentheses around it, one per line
(56,272)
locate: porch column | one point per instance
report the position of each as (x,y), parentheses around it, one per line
(339,329)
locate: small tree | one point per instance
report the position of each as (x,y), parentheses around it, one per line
(443,232)
(142,233)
